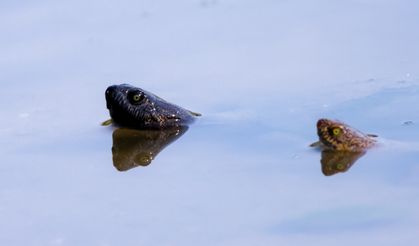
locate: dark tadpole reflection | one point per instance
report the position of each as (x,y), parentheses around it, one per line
(132,148)
(338,161)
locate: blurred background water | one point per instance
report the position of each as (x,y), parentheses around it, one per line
(260,72)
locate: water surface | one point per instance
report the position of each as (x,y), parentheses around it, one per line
(260,72)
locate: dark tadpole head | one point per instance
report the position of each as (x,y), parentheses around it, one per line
(134,107)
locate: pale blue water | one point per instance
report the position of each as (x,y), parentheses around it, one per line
(261,73)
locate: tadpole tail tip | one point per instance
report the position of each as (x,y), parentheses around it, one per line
(195,114)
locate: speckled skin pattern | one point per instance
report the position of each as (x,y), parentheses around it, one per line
(336,135)
(137,108)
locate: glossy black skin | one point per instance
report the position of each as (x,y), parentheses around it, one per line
(137,108)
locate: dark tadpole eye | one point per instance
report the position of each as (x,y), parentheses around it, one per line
(135,97)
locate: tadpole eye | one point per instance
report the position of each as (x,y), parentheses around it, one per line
(135,96)
(336,131)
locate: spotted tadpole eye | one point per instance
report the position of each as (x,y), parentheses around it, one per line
(336,131)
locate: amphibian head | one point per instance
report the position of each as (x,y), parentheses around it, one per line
(134,107)
(336,135)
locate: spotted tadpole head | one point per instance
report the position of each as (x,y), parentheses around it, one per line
(339,136)
(134,107)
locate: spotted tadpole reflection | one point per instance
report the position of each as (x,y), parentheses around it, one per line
(338,161)
(132,148)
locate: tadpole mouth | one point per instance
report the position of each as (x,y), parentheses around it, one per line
(108,105)
(111,96)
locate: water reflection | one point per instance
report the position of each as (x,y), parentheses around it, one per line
(132,148)
(333,161)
